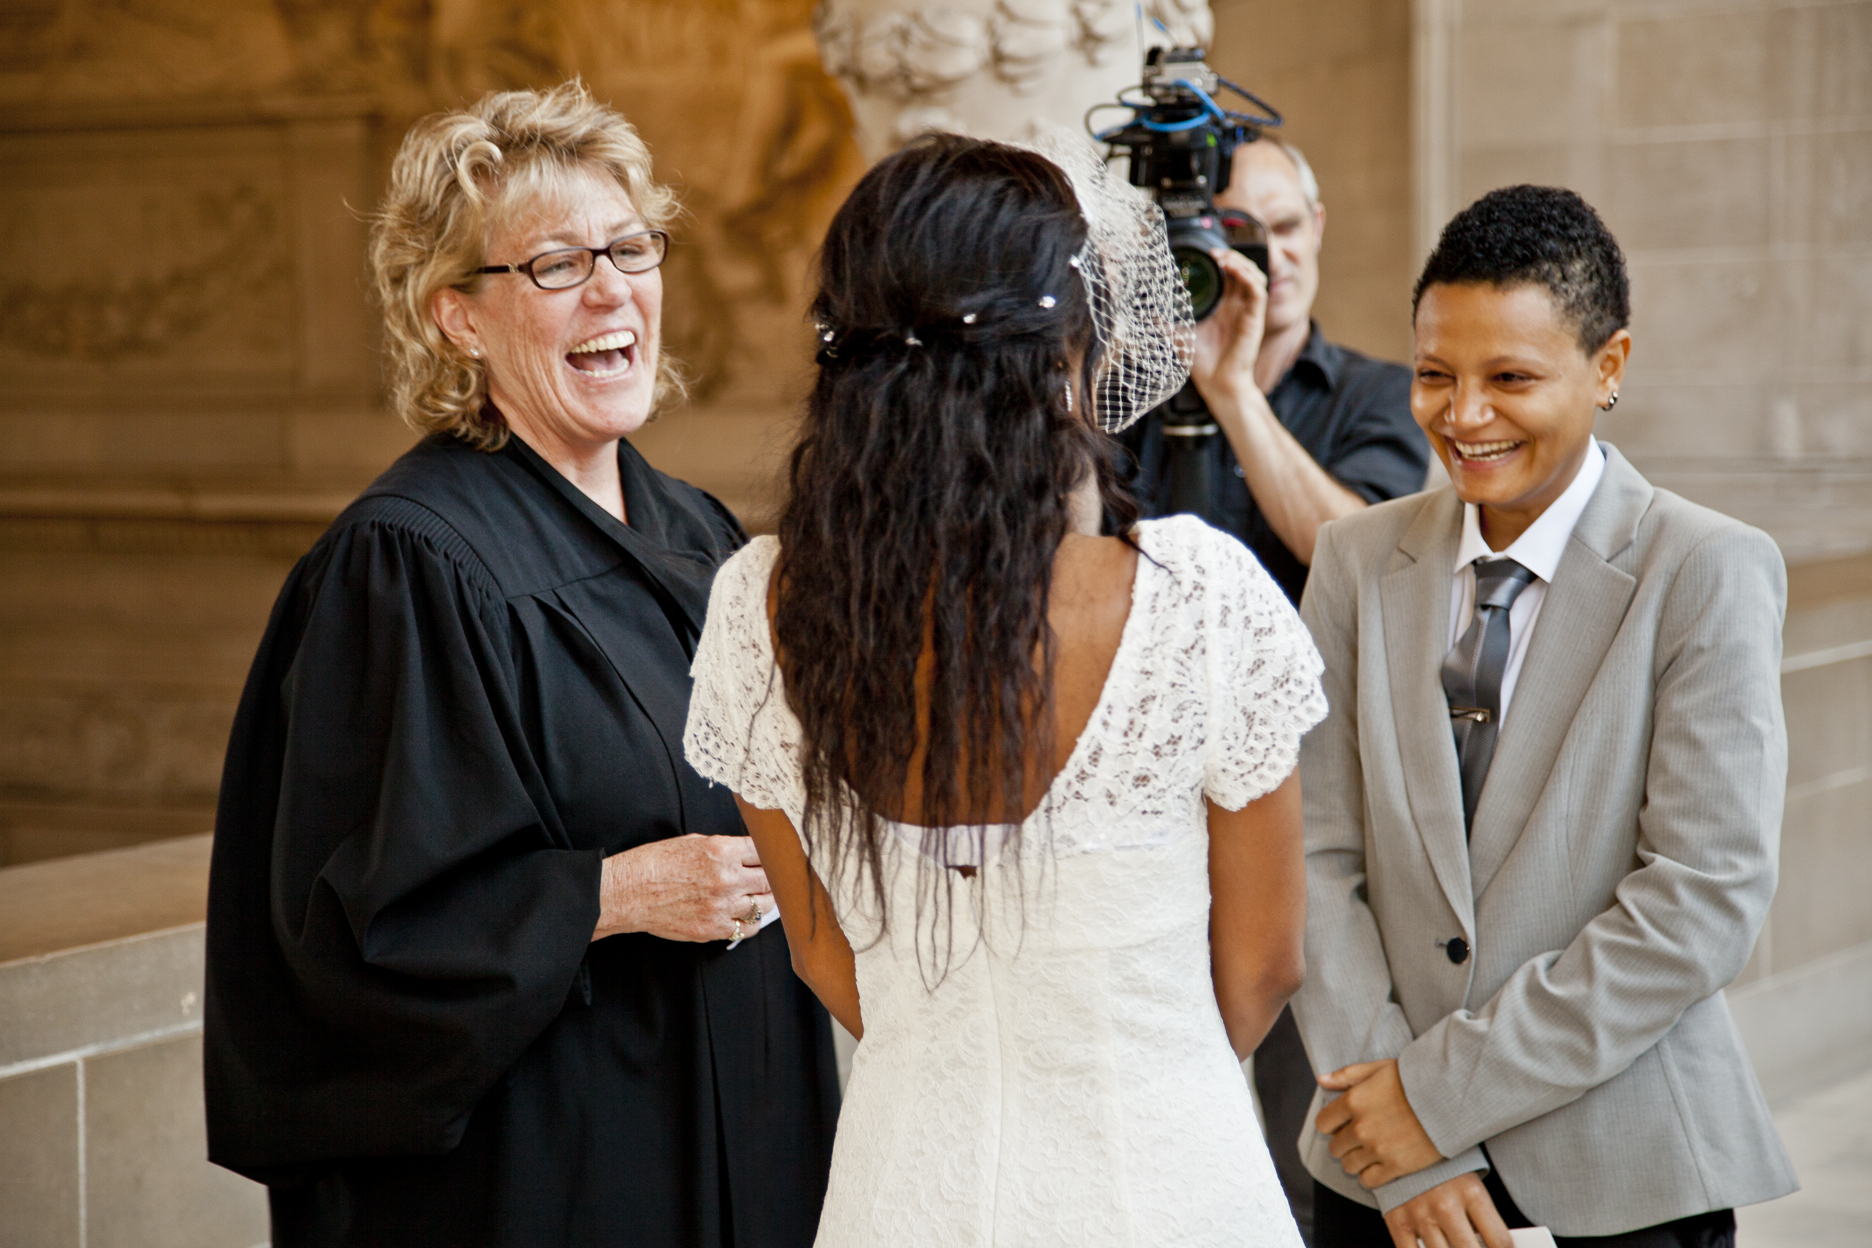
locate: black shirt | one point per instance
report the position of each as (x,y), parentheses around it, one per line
(472,689)
(1350,412)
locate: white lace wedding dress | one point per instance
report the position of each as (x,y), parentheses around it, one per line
(1069,1081)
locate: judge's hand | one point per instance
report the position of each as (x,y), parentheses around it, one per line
(1454,1214)
(1228,341)
(684,888)
(1375,1134)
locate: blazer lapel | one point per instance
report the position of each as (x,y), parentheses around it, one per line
(1582,613)
(1415,597)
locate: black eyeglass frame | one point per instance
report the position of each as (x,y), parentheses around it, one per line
(609,249)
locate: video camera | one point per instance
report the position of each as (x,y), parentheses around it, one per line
(1181,145)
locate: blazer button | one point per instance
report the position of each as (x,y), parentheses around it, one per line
(1457,949)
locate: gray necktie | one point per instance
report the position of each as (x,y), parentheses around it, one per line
(1472,674)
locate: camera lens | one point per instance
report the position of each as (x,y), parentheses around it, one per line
(1194,240)
(1202,275)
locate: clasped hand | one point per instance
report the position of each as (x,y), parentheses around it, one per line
(683,888)
(1375,1134)
(1376,1138)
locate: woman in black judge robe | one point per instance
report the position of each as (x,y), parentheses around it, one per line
(470,978)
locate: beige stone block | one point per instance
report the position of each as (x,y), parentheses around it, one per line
(1483,169)
(1835,418)
(106,658)
(1813,510)
(1729,317)
(1715,420)
(1694,68)
(1834,300)
(128,438)
(1826,859)
(1829,190)
(1695,194)
(39,1184)
(56,907)
(100,994)
(1258,39)
(205,293)
(326,162)
(1340,72)
(1528,82)
(1826,71)
(42,834)
(1829,721)
(365,438)
(172,595)
(113,745)
(1828,606)
(147,1172)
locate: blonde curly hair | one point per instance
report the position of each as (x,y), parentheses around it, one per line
(458,177)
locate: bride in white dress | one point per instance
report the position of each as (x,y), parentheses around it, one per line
(1024,793)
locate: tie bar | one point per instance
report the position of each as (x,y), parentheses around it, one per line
(1476,714)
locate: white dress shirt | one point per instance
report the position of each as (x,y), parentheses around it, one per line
(1538,550)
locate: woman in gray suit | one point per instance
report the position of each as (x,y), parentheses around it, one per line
(1542,817)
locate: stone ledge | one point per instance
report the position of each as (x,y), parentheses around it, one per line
(68,904)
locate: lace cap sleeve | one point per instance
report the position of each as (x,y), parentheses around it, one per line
(1264,685)
(741,732)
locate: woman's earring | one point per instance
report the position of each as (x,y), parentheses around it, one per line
(1069,396)
(475,352)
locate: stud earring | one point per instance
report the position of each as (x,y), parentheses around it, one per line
(475,352)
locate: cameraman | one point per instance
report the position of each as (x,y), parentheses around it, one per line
(1311,431)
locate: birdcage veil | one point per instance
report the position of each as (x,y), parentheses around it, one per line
(1140,308)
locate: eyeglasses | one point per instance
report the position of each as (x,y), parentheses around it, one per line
(567,267)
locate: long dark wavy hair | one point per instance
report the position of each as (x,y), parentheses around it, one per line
(929,493)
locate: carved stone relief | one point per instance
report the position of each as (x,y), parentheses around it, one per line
(66,301)
(729,93)
(991,68)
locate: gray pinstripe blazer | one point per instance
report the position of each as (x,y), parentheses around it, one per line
(1622,861)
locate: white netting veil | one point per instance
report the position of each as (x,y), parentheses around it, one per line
(1140,307)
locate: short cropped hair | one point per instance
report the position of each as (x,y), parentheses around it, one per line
(1541,235)
(458,177)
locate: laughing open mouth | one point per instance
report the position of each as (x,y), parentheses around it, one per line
(1484,452)
(607,355)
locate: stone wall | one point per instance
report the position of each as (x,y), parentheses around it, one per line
(1729,146)
(1340,72)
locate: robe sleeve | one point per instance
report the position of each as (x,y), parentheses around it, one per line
(431,919)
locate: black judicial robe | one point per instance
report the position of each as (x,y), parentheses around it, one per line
(470,691)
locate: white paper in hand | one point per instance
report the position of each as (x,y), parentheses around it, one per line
(1526,1237)
(1532,1237)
